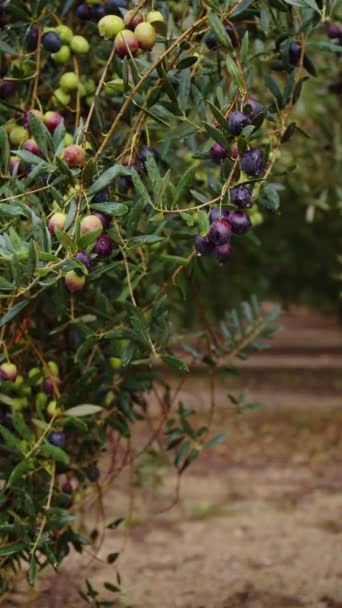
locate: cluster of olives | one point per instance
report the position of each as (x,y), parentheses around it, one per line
(103,246)
(131,33)
(41,385)
(224,223)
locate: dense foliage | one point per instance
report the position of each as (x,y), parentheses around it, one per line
(127,146)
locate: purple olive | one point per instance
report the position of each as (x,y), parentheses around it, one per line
(237,121)
(219,232)
(103,246)
(241,196)
(252,162)
(218,214)
(223,252)
(240,221)
(203,246)
(84,257)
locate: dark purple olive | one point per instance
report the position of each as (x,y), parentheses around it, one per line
(101,197)
(203,246)
(84,257)
(294,53)
(32,39)
(237,121)
(7,88)
(240,221)
(93,473)
(223,252)
(218,214)
(83,11)
(235,37)
(67,487)
(113,6)
(103,246)
(98,11)
(253,108)
(219,232)
(57,438)
(145,151)
(241,196)
(334,30)
(51,42)
(252,162)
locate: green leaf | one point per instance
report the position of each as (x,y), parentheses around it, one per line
(220,32)
(41,134)
(216,440)
(88,239)
(107,177)
(330,47)
(52,451)
(13,312)
(175,363)
(32,572)
(290,130)
(18,472)
(242,6)
(4,150)
(216,135)
(65,239)
(234,73)
(11,549)
(114,208)
(6,48)
(186,62)
(273,86)
(221,119)
(28,157)
(11,440)
(86,409)
(203,221)
(146,239)
(184,184)
(21,427)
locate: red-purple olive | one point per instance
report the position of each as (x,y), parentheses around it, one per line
(126,43)
(132,19)
(31,146)
(218,153)
(103,246)
(51,385)
(74,156)
(52,120)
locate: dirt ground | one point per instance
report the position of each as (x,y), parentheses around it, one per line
(258,525)
(258,522)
